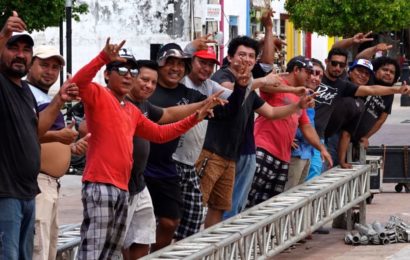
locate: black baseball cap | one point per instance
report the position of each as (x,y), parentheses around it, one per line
(300,62)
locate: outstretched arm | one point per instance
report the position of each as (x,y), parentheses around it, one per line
(377,90)
(163,133)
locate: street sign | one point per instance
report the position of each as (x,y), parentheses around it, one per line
(213,13)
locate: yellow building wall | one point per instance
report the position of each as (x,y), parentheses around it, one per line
(290,47)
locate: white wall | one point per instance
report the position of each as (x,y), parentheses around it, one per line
(137,21)
(319,47)
(234,8)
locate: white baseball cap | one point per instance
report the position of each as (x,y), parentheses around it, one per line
(47,51)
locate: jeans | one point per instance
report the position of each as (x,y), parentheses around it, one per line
(332,144)
(16,228)
(245,170)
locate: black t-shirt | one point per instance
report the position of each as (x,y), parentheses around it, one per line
(142,148)
(19,144)
(347,110)
(160,162)
(329,92)
(225,75)
(374,106)
(225,137)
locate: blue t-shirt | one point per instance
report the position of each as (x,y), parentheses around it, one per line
(305,150)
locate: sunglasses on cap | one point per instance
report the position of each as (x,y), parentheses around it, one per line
(122,71)
(308,65)
(334,63)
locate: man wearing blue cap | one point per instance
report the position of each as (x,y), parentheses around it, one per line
(333,88)
(375,109)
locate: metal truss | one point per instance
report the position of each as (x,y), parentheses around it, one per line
(272,226)
(68,242)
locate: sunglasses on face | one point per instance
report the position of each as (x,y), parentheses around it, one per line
(122,71)
(316,72)
(335,63)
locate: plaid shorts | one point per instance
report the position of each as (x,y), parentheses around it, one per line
(104,219)
(270,177)
(192,202)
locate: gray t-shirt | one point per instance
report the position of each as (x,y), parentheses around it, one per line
(190,144)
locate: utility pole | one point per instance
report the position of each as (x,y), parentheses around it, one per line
(68,15)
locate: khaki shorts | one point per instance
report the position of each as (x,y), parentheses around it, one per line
(217,180)
(141,225)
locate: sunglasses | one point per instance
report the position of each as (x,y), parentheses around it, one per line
(335,63)
(316,72)
(305,65)
(122,71)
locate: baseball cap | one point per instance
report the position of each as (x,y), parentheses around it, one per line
(170,50)
(300,62)
(362,63)
(23,36)
(47,51)
(126,54)
(208,54)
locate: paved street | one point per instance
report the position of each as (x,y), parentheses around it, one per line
(395,132)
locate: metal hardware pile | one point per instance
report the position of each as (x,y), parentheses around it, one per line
(394,231)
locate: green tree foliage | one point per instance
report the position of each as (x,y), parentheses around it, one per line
(347,17)
(39,14)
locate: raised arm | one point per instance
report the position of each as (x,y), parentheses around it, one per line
(356,39)
(371,51)
(109,54)
(13,24)
(268,51)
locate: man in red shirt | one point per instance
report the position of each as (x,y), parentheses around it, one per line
(273,138)
(112,122)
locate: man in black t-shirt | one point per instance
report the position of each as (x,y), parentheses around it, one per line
(21,126)
(332,88)
(376,109)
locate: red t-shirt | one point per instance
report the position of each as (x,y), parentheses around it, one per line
(276,136)
(112,127)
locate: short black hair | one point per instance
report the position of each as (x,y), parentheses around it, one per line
(318,63)
(245,41)
(384,60)
(153,65)
(337,51)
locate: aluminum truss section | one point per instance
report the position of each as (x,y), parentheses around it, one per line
(68,242)
(272,226)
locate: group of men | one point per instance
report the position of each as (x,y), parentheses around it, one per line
(147,183)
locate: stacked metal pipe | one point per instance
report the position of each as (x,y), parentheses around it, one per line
(394,231)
